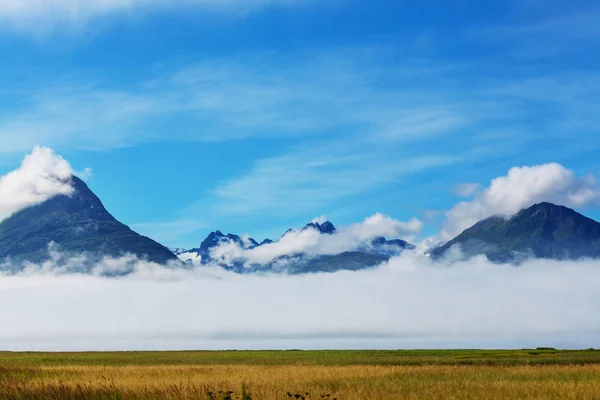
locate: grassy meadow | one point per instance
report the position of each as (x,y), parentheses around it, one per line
(269,375)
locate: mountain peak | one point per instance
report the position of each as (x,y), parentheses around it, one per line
(78,223)
(544,205)
(211,240)
(82,199)
(544,230)
(324,228)
(216,238)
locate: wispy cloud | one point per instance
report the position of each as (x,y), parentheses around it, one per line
(47,16)
(327,92)
(566,22)
(466,189)
(307,179)
(84,117)
(316,92)
(562,28)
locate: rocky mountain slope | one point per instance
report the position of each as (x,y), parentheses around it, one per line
(543,230)
(73,224)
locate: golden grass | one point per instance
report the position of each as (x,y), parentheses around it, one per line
(344,382)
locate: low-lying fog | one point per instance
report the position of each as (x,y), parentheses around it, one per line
(410,302)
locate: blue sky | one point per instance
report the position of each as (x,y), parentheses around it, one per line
(253,116)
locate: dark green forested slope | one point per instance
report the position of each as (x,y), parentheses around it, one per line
(544,230)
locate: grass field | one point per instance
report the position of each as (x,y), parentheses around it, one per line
(352,375)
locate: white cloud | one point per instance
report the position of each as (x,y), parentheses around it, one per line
(410,302)
(42,175)
(312,242)
(41,16)
(85,174)
(466,189)
(382,225)
(320,219)
(523,187)
(190,257)
(429,243)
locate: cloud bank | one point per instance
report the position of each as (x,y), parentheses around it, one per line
(312,243)
(407,303)
(42,175)
(523,187)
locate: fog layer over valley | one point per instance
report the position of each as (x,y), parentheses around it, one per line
(410,302)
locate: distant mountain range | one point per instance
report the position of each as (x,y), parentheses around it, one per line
(75,224)
(78,224)
(368,254)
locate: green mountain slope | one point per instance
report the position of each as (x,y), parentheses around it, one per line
(76,224)
(544,230)
(347,261)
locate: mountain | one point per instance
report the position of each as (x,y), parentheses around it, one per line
(348,261)
(368,254)
(327,228)
(544,230)
(201,255)
(381,245)
(76,224)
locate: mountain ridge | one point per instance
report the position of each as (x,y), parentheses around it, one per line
(370,253)
(79,224)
